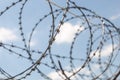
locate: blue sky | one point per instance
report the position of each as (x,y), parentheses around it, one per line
(32,12)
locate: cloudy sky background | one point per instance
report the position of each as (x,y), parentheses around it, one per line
(9,30)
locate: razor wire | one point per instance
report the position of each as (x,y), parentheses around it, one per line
(98,33)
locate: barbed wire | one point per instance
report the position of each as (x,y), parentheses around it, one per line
(98,34)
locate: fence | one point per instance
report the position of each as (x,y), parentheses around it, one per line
(93,53)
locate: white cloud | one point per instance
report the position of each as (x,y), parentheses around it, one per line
(67,33)
(55,75)
(107,50)
(85,71)
(7,34)
(115,17)
(33,43)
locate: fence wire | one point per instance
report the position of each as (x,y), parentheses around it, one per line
(92,55)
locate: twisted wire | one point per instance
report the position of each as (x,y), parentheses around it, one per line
(98,31)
